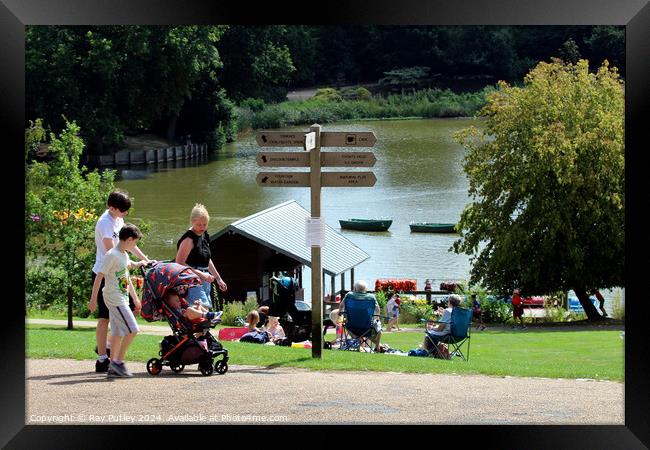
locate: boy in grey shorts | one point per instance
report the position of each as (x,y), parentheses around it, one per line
(115,269)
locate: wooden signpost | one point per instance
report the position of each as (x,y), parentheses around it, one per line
(312,142)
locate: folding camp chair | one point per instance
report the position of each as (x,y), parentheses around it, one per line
(461,324)
(358,325)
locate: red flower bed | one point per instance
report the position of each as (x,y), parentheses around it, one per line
(396,285)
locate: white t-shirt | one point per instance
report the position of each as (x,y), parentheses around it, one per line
(392,308)
(107,227)
(446,318)
(116,274)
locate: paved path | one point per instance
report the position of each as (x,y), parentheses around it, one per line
(65,391)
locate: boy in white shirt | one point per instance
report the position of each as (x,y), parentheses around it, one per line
(115,270)
(107,229)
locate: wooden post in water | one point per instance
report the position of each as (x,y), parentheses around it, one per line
(316,266)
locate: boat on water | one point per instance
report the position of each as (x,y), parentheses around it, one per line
(431,227)
(366,224)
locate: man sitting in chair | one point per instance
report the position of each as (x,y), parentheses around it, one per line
(437,332)
(358,293)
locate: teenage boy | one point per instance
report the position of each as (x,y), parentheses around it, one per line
(115,270)
(107,229)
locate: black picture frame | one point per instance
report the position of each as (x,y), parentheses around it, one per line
(634,14)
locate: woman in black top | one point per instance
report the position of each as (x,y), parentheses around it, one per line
(194,251)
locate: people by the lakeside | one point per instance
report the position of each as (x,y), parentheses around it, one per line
(114,272)
(517,309)
(477,313)
(436,333)
(601,302)
(392,310)
(359,292)
(107,231)
(193,249)
(254,334)
(275,330)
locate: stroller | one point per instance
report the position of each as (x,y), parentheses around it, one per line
(294,316)
(191,341)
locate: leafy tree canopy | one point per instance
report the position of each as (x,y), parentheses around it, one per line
(548,183)
(114,78)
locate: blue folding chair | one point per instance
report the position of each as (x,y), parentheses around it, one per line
(461,325)
(358,325)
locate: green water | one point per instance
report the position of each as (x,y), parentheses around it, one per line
(419,178)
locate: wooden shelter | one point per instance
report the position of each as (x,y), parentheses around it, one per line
(251,250)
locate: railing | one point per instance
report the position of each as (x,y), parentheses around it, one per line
(154,155)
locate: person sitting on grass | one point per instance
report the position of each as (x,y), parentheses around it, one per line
(275,330)
(254,334)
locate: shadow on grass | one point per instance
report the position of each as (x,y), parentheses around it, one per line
(36,327)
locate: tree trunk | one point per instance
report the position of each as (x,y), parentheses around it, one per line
(69,307)
(171,127)
(590,309)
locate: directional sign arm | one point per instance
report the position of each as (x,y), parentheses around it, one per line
(348,179)
(347,139)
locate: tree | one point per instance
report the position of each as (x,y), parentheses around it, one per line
(569,51)
(548,184)
(114,79)
(61,207)
(256,63)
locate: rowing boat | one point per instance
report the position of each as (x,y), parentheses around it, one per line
(430,227)
(366,224)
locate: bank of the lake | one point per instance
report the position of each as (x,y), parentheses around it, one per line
(428,103)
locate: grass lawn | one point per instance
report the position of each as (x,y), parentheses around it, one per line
(554,354)
(53,315)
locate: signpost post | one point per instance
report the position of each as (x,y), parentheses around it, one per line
(312,142)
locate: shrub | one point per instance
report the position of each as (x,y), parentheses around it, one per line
(328,94)
(231,311)
(413,310)
(495,310)
(253,104)
(618,307)
(359,93)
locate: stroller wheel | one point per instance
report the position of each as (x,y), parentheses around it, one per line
(206,368)
(177,368)
(221,367)
(154,366)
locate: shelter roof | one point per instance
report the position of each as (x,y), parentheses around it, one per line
(282,228)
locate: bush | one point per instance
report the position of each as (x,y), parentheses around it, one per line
(231,311)
(495,310)
(328,94)
(413,310)
(42,287)
(253,104)
(618,307)
(359,93)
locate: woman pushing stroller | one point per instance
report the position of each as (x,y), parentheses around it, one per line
(193,250)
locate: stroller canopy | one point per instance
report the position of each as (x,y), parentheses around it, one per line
(157,280)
